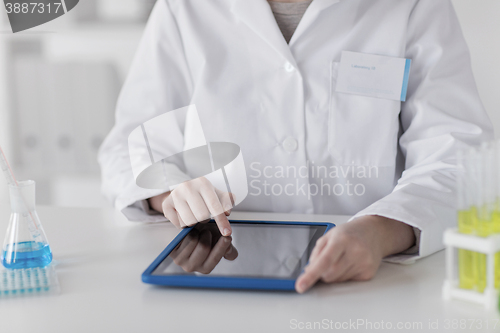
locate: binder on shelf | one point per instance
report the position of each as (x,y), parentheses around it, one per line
(60,124)
(29,102)
(98,88)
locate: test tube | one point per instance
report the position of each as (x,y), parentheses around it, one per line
(488,190)
(466,266)
(473,184)
(496,207)
(496,213)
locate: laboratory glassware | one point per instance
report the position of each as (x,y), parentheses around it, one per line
(25,242)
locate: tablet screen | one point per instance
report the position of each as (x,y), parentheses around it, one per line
(253,250)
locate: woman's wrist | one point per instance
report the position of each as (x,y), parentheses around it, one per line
(392,236)
(156,202)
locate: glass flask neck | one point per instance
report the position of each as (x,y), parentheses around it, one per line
(22,197)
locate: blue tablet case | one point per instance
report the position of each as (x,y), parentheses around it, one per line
(220,281)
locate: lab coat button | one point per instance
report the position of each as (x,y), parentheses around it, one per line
(290,144)
(289,67)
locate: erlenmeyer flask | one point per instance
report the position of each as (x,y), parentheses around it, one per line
(25,243)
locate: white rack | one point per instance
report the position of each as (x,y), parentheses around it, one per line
(487,245)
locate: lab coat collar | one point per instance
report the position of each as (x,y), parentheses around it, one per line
(257,15)
(310,15)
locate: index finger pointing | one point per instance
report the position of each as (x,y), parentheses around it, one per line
(223,224)
(215,207)
(318,265)
(311,274)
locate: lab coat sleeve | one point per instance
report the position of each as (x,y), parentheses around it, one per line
(158,81)
(443,112)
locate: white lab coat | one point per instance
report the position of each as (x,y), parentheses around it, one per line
(278,103)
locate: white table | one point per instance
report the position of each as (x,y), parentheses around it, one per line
(100,257)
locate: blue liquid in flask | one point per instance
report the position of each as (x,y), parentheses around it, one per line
(27,255)
(25,244)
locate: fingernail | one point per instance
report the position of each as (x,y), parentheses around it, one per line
(226,232)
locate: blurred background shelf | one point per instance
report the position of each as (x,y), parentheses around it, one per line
(58,90)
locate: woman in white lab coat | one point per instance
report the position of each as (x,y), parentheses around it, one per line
(279,103)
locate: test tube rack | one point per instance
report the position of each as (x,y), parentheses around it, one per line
(490,245)
(28,281)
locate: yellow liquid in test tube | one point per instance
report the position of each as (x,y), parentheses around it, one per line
(484,229)
(466,258)
(479,211)
(496,229)
(481,272)
(487,226)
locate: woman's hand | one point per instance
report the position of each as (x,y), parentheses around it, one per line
(195,201)
(353,251)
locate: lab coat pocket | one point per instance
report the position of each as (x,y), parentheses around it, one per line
(361,130)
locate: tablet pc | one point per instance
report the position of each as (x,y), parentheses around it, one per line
(266,255)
